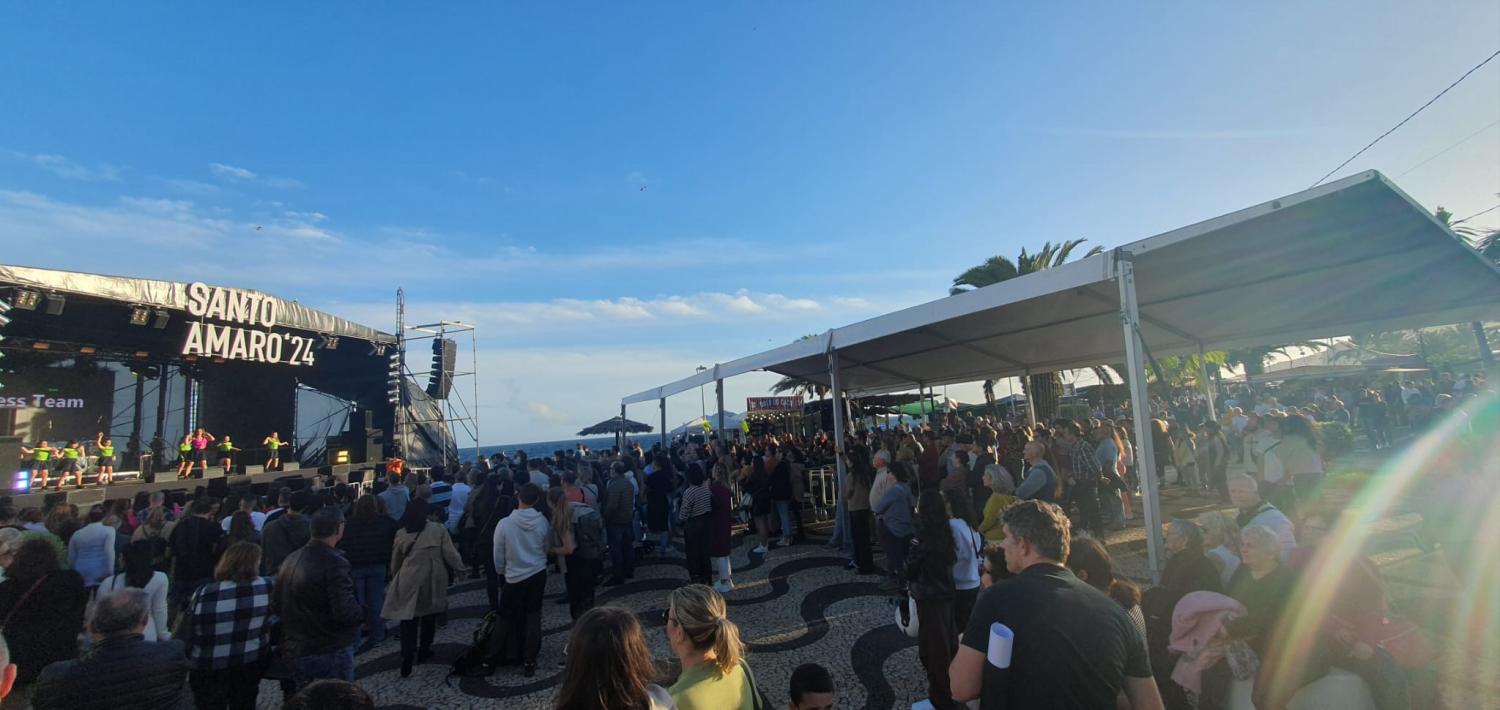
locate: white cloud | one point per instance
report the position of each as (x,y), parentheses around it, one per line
(63,167)
(545,412)
(313,217)
(234,173)
(230,172)
(191,187)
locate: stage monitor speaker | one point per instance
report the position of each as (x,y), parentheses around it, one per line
(10,453)
(289,467)
(252,470)
(440,378)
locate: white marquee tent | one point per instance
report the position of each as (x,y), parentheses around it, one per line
(1353,256)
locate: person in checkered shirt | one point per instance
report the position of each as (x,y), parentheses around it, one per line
(228,635)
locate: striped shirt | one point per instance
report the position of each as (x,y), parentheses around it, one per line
(230,625)
(696,501)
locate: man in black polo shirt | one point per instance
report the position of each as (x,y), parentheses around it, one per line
(1074,647)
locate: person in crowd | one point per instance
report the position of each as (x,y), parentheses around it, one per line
(521,558)
(1262,584)
(707,644)
(991,570)
(314,596)
(762,505)
(7,671)
(288,532)
(331,695)
(609,665)
(1221,542)
(1087,474)
(139,574)
(194,546)
(228,632)
(395,496)
(660,483)
(283,504)
(882,480)
(458,500)
(535,475)
(439,495)
(43,606)
(421,559)
(241,529)
(1002,493)
(893,514)
(91,550)
(968,546)
(696,516)
(811,688)
(1184,453)
(930,582)
(250,506)
(1213,458)
(492,503)
(1074,646)
(857,503)
(783,489)
(1188,570)
(1299,452)
(1244,494)
(121,669)
(578,535)
(720,531)
(619,507)
(1041,480)
(1090,562)
(368,538)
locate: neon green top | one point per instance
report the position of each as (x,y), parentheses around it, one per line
(71,452)
(106,451)
(273,444)
(226,447)
(184,448)
(42,454)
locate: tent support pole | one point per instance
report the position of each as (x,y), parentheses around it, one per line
(1208,385)
(620,440)
(663,422)
(836,389)
(1140,410)
(1030,396)
(719,397)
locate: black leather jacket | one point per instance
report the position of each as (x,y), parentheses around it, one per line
(314,595)
(118,672)
(928,576)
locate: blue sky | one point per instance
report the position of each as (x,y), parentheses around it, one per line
(618,193)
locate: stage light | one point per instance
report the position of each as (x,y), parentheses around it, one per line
(54,303)
(142,353)
(218,361)
(86,350)
(393,378)
(139,315)
(27,300)
(22,483)
(159,319)
(41,345)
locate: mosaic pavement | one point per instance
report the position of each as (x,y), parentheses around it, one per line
(793,605)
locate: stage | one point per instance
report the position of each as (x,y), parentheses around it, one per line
(141,363)
(261,482)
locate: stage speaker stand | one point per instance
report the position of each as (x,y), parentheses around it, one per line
(252,470)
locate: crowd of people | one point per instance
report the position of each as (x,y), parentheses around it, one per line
(990,531)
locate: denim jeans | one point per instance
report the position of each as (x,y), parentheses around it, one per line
(369,589)
(620,544)
(784,512)
(338,665)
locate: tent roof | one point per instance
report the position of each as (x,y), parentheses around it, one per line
(1355,255)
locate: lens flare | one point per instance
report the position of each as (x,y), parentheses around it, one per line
(1453,473)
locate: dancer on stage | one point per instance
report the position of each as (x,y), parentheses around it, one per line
(106,460)
(273,445)
(201,439)
(184,456)
(41,460)
(71,454)
(226,450)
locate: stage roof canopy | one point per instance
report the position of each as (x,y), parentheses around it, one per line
(1353,256)
(174,295)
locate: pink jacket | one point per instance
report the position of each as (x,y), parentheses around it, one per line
(1197,621)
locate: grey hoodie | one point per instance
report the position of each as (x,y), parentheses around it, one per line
(521,544)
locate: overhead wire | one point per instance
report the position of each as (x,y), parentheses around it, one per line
(1444,151)
(1403,122)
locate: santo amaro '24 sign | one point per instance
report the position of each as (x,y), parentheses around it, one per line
(255,343)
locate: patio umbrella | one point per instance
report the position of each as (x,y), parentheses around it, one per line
(612,426)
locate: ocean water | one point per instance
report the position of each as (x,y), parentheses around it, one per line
(545,448)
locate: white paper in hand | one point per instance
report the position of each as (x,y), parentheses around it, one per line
(1001,640)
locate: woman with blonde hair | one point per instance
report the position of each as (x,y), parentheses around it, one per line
(1221,542)
(609,665)
(714,674)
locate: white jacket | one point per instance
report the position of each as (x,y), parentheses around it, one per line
(521,544)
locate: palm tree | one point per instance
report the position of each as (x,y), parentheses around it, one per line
(1044,389)
(1487,245)
(797,385)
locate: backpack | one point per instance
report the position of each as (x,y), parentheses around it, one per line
(470,663)
(588,535)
